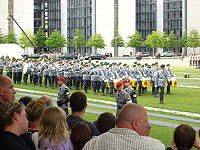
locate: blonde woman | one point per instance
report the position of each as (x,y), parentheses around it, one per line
(53,132)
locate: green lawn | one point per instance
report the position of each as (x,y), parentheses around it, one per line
(181,99)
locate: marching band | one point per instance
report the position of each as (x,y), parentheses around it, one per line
(100,76)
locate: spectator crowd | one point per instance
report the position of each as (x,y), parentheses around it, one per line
(38,125)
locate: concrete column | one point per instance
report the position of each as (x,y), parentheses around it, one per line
(160,19)
(94,51)
(116,24)
(184,22)
(10,12)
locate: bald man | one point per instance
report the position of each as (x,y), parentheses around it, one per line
(7,92)
(46,99)
(131,133)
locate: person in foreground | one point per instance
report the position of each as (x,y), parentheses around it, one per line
(7,92)
(131,133)
(13,123)
(184,138)
(78,104)
(53,132)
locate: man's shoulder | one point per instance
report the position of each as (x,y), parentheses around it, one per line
(153,143)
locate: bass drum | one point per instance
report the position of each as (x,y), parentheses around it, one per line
(26,69)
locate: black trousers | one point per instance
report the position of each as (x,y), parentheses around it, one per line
(103,86)
(86,84)
(94,86)
(15,77)
(77,81)
(9,74)
(153,88)
(19,77)
(1,71)
(25,78)
(52,80)
(46,78)
(31,78)
(161,88)
(35,79)
(168,86)
(139,87)
(40,80)
(111,87)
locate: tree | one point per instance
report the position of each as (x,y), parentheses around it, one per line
(193,40)
(182,42)
(24,42)
(117,41)
(171,41)
(10,38)
(97,41)
(40,38)
(78,40)
(135,40)
(55,40)
(155,40)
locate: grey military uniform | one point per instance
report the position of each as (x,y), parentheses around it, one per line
(122,98)
(132,94)
(63,97)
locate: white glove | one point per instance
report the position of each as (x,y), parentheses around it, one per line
(156,86)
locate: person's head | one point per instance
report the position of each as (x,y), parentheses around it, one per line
(134,116)
(7,92)
(34,111)
(53,126)
(13,117)
(61,81)
(25,100)
(80,134)
(46,99)
(168,66)
(127,82)
(119,86)
(78,102)
(105,122)
(162,66)
(184,137)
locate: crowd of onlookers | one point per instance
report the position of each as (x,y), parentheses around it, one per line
(37,124)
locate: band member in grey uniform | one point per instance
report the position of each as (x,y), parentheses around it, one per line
(14,66)
(9,68)
(86,78)
(128,89)
(77,75)
(45,72)
(63,95)
(52,74)
(102,75)
(94,78)
(110,76)
(160,79)
(169,75)
(121,96)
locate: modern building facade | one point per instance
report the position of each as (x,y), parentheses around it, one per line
(97,16)
(79,16)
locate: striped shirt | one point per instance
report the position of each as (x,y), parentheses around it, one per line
(123,139)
